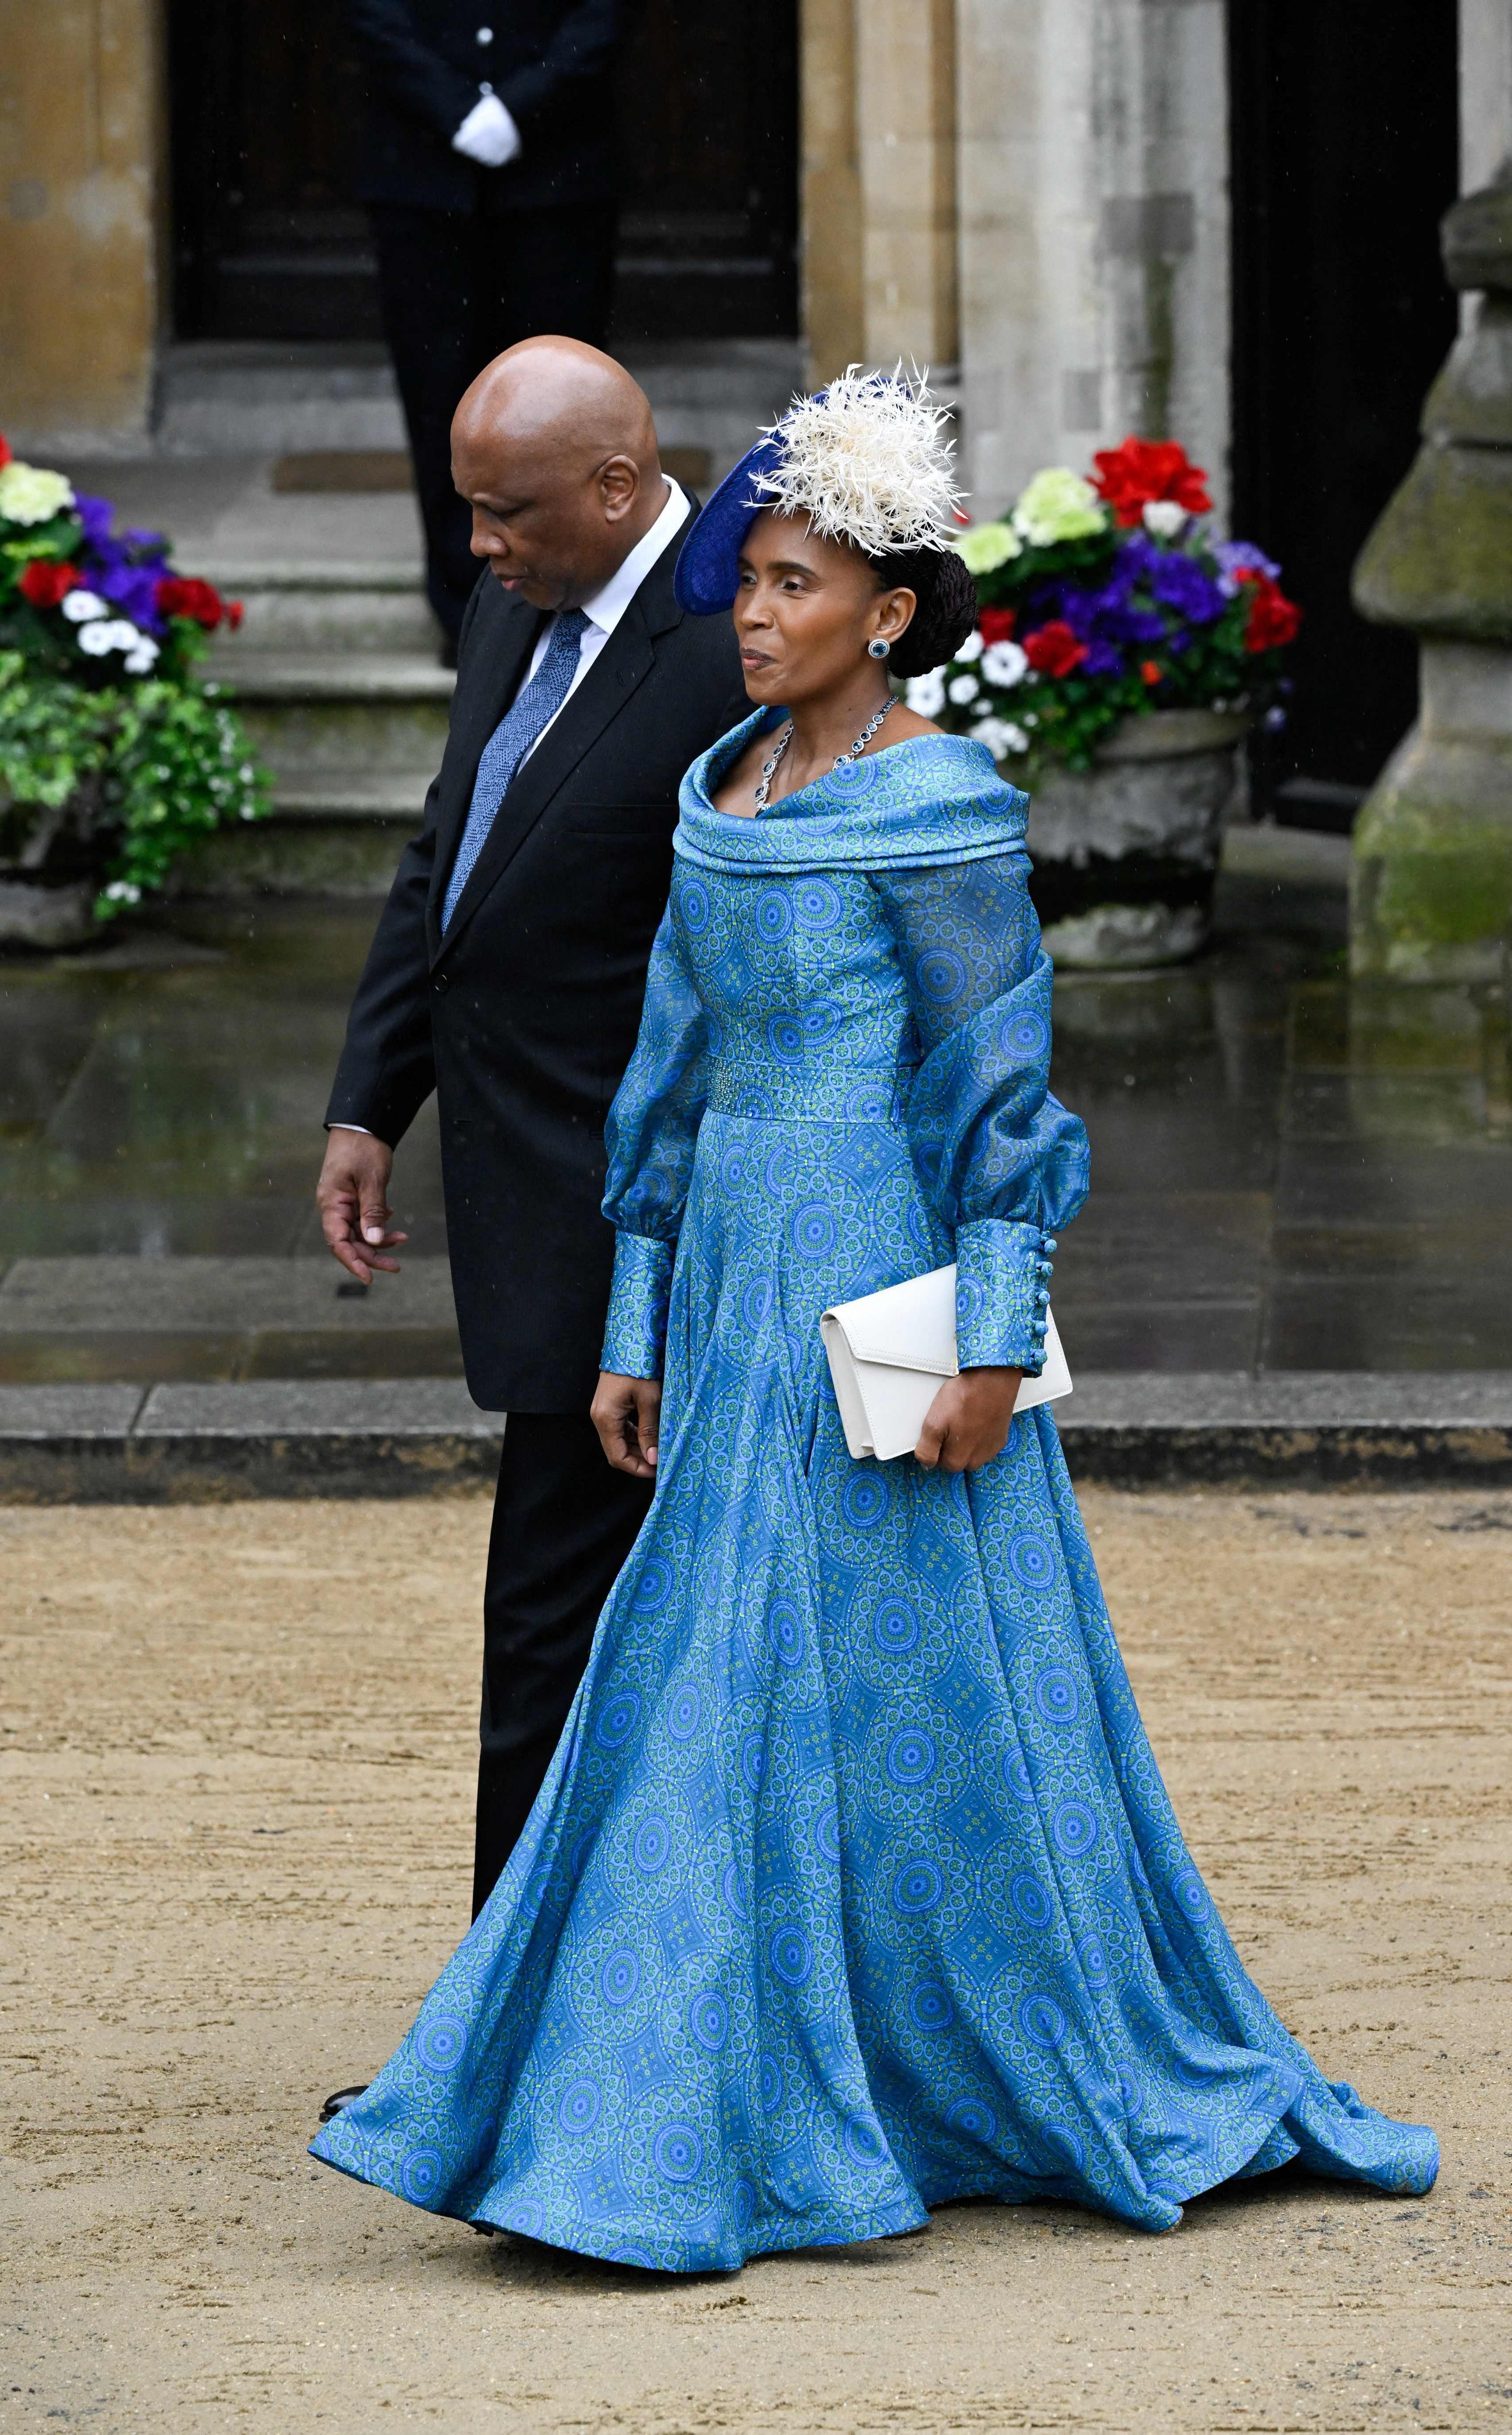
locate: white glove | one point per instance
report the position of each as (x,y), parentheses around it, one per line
(488,134)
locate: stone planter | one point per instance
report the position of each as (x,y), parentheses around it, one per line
(48,891)
(1126,855)
(34,915)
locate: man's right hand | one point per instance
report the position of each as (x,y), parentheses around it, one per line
(353,1199)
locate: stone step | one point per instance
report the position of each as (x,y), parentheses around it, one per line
(222,398)
(397,800)
(338,716)
(353,740)
(291,608)
(233,397)
(177,1442)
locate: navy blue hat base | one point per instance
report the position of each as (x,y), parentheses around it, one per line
(709,567)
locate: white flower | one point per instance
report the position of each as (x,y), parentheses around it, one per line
(964,688)
(926,695)
(121,891)
(29,495)
(1163,518)
(111,634)
(139,659)
(1004,665)
(81,606)
(970,650)
(1002,738)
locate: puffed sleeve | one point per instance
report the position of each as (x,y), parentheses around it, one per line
(651,1134)
(1002,1162)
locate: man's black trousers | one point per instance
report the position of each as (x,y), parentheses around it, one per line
(563,1524)
(457,289)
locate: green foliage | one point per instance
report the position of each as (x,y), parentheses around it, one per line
(129,775)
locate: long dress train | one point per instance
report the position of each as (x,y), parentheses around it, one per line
(853,1887)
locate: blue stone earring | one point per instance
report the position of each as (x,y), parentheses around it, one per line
(878,647)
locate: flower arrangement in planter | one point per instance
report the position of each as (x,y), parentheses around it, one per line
(115,753)
(1120,656)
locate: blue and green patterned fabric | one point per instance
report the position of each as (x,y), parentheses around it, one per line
(853,1887)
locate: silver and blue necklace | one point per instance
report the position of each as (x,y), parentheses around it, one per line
(763,785)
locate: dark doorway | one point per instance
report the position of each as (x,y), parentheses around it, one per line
(1346,135)
(709,136)
(266,103)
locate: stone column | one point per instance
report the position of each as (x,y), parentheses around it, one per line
(80,237)
(1431,891)
(879,184)
(834,320)
(1094,233)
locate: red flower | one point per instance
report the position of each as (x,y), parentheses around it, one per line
(1151,671)
(1054,649)
(45,581)
(1129,478)
(997,625)
(1274,620)
(5,449)
(185,596)
(234,615)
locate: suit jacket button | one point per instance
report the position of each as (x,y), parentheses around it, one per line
(485,33)
(438,984)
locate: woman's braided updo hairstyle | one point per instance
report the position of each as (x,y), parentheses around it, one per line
(946,609)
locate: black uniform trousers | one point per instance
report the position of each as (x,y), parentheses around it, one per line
(457,289)
(563,1524)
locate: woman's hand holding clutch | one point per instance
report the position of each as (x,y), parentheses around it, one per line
(627,1414)
(967,1423)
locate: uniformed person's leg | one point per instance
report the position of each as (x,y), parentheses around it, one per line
(427,283)
(556,270)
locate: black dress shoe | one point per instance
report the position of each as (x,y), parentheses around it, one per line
(339,2099)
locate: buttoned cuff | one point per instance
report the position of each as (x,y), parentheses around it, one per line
(1001,1295)
(636,1332)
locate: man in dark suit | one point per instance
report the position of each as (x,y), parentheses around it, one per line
(507,975)
(488,169)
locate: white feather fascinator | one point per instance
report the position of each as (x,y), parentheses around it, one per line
(866,461)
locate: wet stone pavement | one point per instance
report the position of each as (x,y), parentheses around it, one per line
(1289,1173)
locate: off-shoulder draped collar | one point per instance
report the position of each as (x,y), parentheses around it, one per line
(936,799)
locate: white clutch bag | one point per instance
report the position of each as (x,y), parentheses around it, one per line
(888,1353)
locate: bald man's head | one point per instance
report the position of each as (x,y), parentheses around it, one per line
(555,449)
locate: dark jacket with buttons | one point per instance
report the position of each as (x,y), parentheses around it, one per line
(521,1018)
(549,61)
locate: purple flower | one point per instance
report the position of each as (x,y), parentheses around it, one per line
(1180,583)
(1102,659)
(1234,553)
(1106,616)
(96,516)
(147,548)
(130,589)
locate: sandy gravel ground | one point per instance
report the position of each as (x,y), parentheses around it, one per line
(236,1828)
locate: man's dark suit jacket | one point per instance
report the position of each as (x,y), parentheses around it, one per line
(549,61)
(523,1017)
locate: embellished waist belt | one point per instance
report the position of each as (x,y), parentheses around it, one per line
(802,1093)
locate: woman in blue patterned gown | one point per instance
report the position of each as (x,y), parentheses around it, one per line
(853,1887)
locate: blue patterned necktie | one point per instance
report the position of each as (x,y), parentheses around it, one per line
(537,703)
